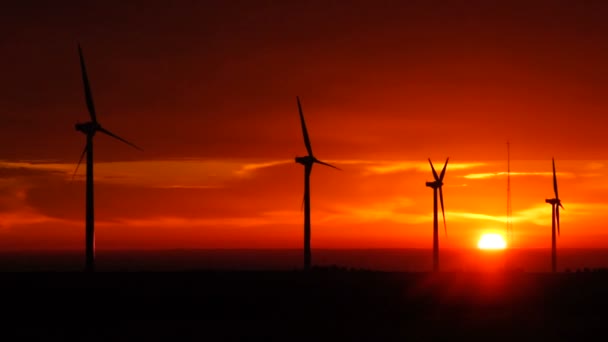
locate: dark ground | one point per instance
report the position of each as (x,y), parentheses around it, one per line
(325,304)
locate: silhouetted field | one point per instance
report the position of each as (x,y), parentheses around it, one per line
(323,304)
(391,260)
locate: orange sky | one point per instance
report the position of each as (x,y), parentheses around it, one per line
(208,90)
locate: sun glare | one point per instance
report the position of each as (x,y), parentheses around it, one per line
(491,241)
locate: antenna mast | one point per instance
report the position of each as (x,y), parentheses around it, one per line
(509,212)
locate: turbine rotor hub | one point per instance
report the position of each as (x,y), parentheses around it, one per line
(308,160)
(87,127)
(434,185)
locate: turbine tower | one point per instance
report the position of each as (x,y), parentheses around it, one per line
(308,162)
(437,185)
(556,203)
(509,209)
(89,129)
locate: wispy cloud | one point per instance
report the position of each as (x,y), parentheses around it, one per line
(394,166)
(203,174)
(264,218)
(583,211)
(369,215)
(194,174)
(516,174)
(468,216)
(26,216)
(396,210)
(539,214)
(594,166)
(247,169)
(536,215)
(43,166)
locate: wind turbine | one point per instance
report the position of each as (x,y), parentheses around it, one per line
(556,203)
(89,129)
(437,184)
(308,162)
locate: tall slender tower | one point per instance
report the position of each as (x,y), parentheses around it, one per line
(509,212)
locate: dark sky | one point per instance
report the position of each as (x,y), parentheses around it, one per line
(220,72)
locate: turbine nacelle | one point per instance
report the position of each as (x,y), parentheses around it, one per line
(87,127)
(308,160)
(434,184)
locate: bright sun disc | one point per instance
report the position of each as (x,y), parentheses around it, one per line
(491,241)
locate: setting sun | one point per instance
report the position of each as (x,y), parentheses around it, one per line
(491,241)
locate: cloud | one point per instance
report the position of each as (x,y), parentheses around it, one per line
(394,166)
(32,169)
(363,215)
(394,210)
(182,173)
(248,169)
(194,173)
(467,216)
(27,216)
(517,174)
(538,214)
(264,218)
(595,166)
(581,211)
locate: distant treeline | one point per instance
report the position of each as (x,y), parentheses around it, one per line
(588,270)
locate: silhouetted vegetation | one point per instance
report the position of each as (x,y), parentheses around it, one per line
(591,270)
(463,304)
(337,268)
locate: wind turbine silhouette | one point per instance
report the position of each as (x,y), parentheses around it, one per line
(556,203)
(89,129)
(437,184)
(308,162)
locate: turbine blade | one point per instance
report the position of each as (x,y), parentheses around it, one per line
(87,88)
(445,229)
(434,172)
(554,179)
(84,151)
(557,217)
(443,171)
(304,130)
(103,130)
(326,164)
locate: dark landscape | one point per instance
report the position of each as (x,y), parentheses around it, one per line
(323,303)
(381,305)
(378,259)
